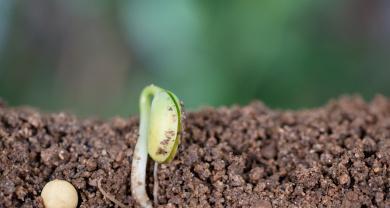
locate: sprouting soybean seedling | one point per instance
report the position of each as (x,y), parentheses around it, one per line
(159,134)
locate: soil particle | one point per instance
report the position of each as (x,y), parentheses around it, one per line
(344,179)
(256,174)
(161,151)
(262,204)
(334,156)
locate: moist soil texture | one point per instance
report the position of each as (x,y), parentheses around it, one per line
(252,156)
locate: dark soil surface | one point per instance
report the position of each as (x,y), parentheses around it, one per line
(334,156)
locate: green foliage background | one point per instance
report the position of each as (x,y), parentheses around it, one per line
(94,58)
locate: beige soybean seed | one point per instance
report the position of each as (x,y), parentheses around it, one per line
(59,194)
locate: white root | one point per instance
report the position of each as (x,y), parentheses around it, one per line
(155,186)
(138,174)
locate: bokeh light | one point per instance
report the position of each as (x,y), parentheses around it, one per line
(94,58)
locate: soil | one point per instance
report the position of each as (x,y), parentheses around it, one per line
(334,156)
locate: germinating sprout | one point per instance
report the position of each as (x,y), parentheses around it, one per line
(159,134)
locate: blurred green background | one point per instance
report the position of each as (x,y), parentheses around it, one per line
(94,57)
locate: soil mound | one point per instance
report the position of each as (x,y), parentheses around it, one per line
(334,156)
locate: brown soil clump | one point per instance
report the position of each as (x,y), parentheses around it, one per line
(334,156)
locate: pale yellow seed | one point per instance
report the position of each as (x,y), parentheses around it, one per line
(59,194)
